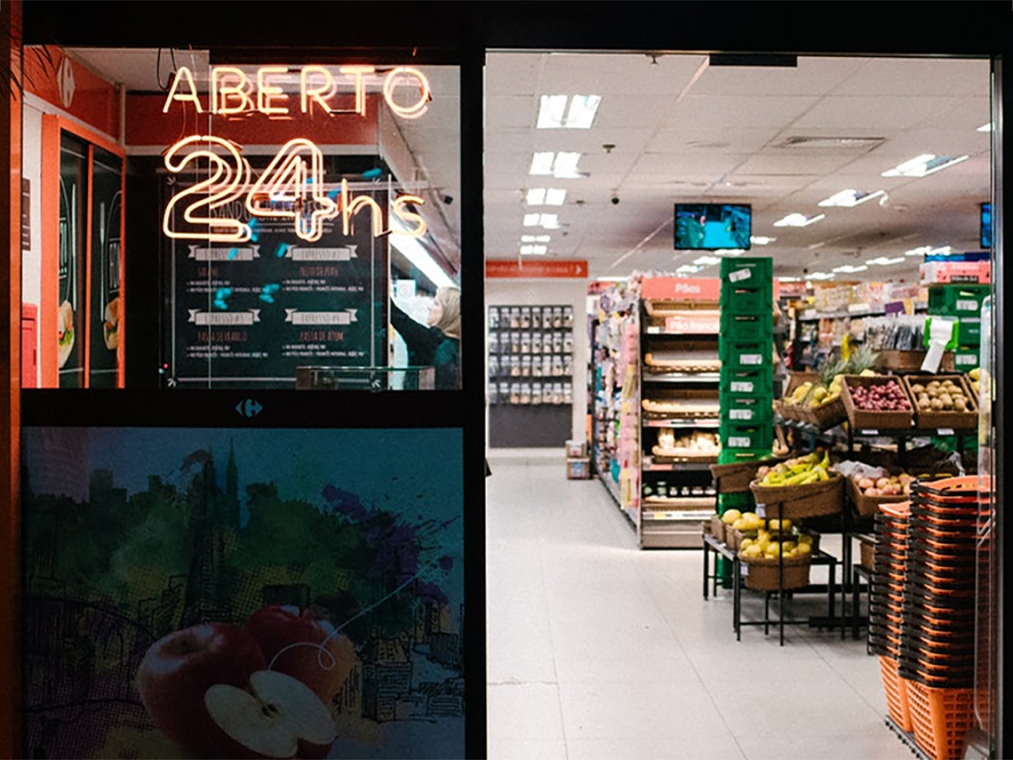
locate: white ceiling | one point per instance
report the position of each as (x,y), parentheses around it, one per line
(687,131)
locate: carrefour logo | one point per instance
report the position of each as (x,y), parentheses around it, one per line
(65,82)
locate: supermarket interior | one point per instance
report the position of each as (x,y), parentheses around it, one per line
(724,328)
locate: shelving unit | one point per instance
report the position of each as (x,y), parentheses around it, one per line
(530,375)
(679,387)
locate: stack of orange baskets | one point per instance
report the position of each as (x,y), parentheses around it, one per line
(927,651)
(886,605)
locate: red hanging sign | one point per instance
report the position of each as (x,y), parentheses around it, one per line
(562,268)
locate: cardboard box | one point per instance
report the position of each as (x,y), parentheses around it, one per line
(576,449)
(578,469)
(934,272)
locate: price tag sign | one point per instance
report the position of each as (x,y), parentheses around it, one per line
(742,274)
(739,442)
(740,414)
(743,569)
(751,359)
(945,431)
(967,305)
(742,387)
(869,432)
(761,510)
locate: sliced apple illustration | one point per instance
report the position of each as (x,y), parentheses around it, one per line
(298,644)
(278,717)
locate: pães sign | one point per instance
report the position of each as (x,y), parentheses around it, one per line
(293,184)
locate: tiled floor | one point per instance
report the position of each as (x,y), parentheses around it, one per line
(599,650)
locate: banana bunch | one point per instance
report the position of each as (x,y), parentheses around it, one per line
(799,471)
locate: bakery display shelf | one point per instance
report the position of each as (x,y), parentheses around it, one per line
(681,377)
(684,465)
(655,514)
(676,422)
(699,503)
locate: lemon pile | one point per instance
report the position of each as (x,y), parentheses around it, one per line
(765,547)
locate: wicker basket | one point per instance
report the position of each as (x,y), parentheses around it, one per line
(717,528)
(928,420)
(736,477)
(791,411)
(776,574)
(868,506)
(828,415)
(910,361)
(861,419)
(824,497)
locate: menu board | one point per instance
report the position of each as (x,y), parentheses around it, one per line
(256,311)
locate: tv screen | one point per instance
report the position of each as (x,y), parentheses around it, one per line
(709,226)
(986,225)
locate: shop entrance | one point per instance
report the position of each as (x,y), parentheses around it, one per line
(841,190)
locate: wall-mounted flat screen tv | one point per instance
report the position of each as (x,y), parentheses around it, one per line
(710,226)
(986,225)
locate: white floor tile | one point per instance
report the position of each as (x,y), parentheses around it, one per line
(527,749)
(623,709)
(646,747)
(597,649)
(524,711)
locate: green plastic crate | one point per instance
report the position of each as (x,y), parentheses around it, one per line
(966,358)
(735,456)
(747,300)
(745,355)
(754,384)
(741,501)
(747,410)
(957,300)
(747,271)
(739,328)
(747,436)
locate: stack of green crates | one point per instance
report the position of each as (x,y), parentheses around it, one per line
(746,349)
(963,303)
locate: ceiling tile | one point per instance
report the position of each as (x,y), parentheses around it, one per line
(907,77)
(742,112)
(883,112)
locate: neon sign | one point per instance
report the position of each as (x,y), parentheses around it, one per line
(292,186)
(234,93)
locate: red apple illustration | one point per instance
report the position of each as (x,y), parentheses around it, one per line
(177,672)
(276,716)
(295,642)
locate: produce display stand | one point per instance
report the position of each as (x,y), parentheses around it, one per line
(711,579)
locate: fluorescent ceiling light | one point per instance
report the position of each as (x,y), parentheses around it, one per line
(416,253)
(687,268)
(540,196)
(927,249)
(580,114)
(850,198)
(555,196)
(883,261)
(923,165)
(985,127)
(851,269)
(561,165)
(535,238)
(612,279)
(547,221)
(707,261)
(729,251)
(551,111)
(541,163)
(798,220)
(789,279)
(821,276)
(533,250)
(761,240)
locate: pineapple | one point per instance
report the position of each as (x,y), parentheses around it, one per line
(831,379)
(862,362)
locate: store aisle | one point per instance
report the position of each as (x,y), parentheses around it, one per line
(599,650)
